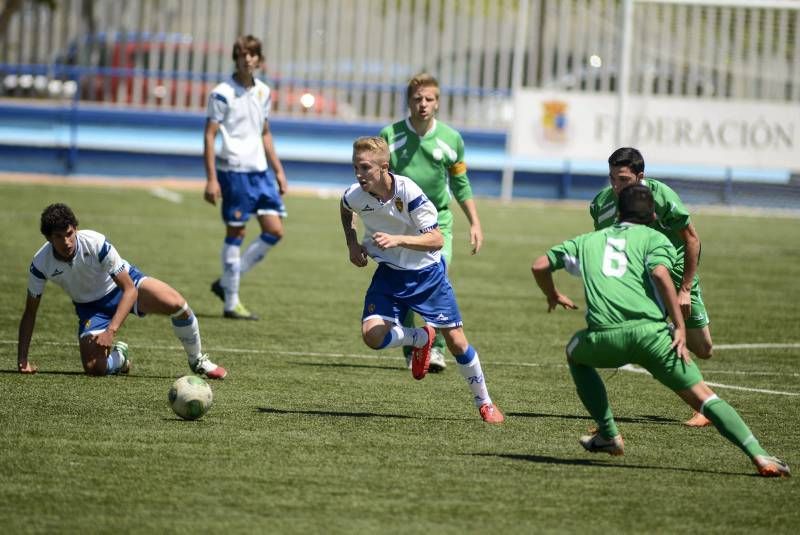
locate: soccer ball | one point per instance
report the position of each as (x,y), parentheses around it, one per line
(190,397)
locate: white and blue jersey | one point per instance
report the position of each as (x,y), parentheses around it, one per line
(408,213)
(248,187)
(86,278)
(241,113)
(405,278)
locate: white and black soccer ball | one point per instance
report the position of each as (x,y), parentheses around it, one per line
(190,397)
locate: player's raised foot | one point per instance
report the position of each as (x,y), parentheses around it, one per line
(697,420)
(421,356)
(204,366)
(769,466)
(122,349)
(437,363)
(598,444)
(239,312)
(218,290)
(491,414)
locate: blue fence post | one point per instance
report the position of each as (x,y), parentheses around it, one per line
(566,181)
(727,188)
(72,150)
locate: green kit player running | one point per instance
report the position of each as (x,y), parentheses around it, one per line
(431,154)
(626,167)
(625,270)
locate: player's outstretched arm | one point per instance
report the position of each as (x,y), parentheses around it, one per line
(431,240)
(669,297)
(358,256)
(26,326)
(129,296)
(544,279)
(691,257)
(273,160)
(212,192)
(475,230)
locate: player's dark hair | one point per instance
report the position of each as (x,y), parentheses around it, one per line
(247,43)
(627,157)
(422,79)
(57,217)
(636,204)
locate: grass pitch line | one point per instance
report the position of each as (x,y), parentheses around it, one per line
(628,367)
(635,369)
(757,346)
(167,195)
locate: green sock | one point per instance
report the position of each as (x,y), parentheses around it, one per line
(593,395)
(438,343)
(731,426)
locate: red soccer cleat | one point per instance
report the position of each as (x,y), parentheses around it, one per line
(769,466)
(421,356)
(491,414)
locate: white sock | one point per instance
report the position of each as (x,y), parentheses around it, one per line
(405,336)
(231,272)
(188,332)
(470,367)
(256,251)
(114,362)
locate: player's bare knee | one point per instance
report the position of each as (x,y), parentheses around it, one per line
(703,350)
(180,311)
(374,336)
(455,339)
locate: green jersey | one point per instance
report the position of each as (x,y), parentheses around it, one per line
(671,215)
(615,265)
(434,161)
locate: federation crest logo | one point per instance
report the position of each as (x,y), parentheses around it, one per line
(237,214)
(87,324)
(371,308)
(398,203)
(554,120)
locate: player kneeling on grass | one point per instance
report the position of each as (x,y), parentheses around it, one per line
(621,267)
(401,234)
(104,289)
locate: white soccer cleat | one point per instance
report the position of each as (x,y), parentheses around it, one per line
(598,444)
(437,363)
(204,366)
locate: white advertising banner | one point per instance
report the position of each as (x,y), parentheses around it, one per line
(668,131)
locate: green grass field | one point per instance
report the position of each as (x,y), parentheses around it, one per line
(312,432)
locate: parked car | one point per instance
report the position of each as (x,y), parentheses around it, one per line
(169,70)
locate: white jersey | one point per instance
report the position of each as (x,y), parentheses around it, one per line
(408,213)
(241,113)
(87,277)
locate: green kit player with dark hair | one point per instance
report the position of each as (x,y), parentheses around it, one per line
(625,270)
(626,167)
(431,154)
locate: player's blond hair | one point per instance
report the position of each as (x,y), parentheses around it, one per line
(422,79)
(374,144)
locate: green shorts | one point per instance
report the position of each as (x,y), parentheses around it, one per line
(646,344)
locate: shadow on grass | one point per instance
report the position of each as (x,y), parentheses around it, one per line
(345,414)
(544,459)
(643,419)
(340,365)
(81,374)
(350,414)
